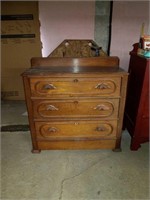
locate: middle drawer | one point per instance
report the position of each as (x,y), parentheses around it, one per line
(75,108)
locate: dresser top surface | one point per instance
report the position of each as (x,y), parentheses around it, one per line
(48,71)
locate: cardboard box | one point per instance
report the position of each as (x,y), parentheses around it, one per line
(20,42)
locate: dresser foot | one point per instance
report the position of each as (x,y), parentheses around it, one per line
(117,150)
(36,151)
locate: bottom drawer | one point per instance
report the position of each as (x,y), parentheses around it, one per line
(83,144)
(74,130)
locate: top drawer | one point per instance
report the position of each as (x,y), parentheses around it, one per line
(52,87)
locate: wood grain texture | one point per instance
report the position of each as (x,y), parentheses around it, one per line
(75,62)
(86,144)
(71,108)
(76,86)
(76,130)
(75,106)
(30,113)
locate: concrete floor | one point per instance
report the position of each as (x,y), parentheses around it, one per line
(68,174)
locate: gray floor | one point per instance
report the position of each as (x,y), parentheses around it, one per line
(68,175)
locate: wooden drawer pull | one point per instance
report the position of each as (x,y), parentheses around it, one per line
(101,107)
(100,128)
(52,130)
(102,86)
(51,107)
(49,87)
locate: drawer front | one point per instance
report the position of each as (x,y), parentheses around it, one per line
(75,87)
(76,108)
(76,130)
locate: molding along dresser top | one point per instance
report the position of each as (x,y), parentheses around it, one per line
(75,103)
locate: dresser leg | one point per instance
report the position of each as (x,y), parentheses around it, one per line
(117,150)
(36,151)
(118,146)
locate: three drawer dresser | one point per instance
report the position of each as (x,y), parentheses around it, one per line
(75,103)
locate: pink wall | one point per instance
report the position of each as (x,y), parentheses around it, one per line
(65,20)
(126,24)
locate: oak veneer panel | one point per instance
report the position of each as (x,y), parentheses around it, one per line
(75,86)
(74,108)
(86,144)
(76,130)
(75,62)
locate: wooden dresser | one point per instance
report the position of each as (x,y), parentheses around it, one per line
(136,118)
(75,103)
